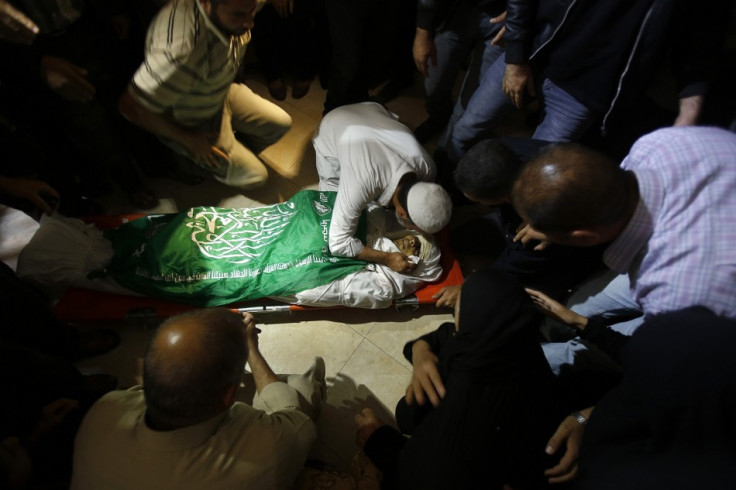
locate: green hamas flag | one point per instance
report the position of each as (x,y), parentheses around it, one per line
(211,256)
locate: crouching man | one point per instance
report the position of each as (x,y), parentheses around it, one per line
(184,429)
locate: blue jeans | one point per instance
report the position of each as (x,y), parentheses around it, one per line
(565,119)
(604,293)
(453,43)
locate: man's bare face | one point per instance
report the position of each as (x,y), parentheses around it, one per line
(409,245)
(234,17)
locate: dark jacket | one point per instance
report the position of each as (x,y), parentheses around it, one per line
(560,38)
(431,14)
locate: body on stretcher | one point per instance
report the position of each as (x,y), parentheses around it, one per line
(78,304)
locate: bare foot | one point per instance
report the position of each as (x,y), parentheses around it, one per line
(367,423)
(556,310)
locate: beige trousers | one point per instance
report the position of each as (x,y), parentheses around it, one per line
(249,125)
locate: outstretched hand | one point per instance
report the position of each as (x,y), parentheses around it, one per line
(425,379)
(556,310)
(67,79)
(30,190)
(570,432)
(447,296)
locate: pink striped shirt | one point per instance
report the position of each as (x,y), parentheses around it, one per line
(679,248)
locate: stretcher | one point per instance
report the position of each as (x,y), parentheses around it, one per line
(77,305)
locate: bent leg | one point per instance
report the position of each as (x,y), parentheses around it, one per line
(257,122)
(565,119)
(310,386)
(486,108)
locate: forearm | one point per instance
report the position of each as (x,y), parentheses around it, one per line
(372,255)
(156,123)
(263,375)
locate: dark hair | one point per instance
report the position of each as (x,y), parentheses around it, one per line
(184,391)
(405,183)
(487,170)
(569,187)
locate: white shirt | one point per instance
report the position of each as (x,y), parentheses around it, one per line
(362,152)
(240,448)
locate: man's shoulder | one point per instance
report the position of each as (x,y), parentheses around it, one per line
(177,28)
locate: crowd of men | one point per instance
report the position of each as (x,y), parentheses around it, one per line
(641,240)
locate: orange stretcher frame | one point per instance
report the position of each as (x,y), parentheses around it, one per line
(78,304)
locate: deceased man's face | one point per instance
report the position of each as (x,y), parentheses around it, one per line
(409,245)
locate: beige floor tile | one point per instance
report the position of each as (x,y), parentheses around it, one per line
(290,348)
(391,336)
(381,374)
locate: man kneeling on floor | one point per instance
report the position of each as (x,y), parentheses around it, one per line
(184,429)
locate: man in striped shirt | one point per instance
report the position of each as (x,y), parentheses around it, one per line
(184,91)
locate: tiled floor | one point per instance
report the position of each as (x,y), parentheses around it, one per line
(362,349)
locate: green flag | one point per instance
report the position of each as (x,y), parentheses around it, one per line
(210,256)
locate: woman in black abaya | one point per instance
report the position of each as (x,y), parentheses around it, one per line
(480,407)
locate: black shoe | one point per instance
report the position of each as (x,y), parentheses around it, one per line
(277,89)
(301,88)
(430,128)
(391,90)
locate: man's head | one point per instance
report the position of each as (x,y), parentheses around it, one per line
(231,17)
(486,173)
(193,367)
(415,245)
(422,206)
(574,195)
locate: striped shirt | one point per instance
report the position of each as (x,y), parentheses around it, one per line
(679,248)
(189,66)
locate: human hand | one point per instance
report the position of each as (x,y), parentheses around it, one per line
(200,146)
(570,432)
(283,7)
(15,26)
(447,296)
(66,79)
(399,262)
(30,190)
(556,310)
(518,80)
(526,234)
(53,413)
(690,108)
(251,331)
(498,38)
(367,423)
(424,50)
(425,378)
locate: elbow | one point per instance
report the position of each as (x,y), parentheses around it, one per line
(128,107)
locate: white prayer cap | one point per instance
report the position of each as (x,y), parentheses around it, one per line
(429,206)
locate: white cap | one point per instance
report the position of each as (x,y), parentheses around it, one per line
(429,206)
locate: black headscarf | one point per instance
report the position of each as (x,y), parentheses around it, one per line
(497,327)
(671,424)
(492,425)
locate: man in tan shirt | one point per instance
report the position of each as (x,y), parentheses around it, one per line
(183,429)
